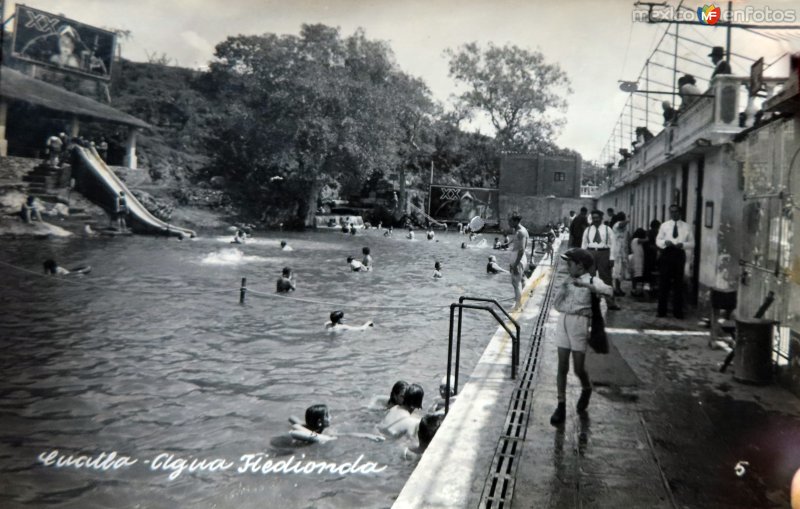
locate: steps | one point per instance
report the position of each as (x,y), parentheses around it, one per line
(47,182)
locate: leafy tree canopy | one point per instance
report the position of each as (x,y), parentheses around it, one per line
(521,94)
(303,110)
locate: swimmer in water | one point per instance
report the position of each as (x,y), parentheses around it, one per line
(438,405)
(367,261)
(428,426)
(430,235)
(286,282)
(493,268)
(464,245)
(437,271)
(318,419)
(285,246)
(399,420)
(410,234)
(355,265)
(395,397)
(337,325)
(388,233)
(240,237)
(53,269)
(497,243)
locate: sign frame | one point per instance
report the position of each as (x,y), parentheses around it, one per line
(20,9)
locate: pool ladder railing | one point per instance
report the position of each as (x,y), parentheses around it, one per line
(491,309)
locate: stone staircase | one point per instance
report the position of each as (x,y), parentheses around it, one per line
(48,183)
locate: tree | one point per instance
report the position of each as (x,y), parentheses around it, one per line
(302,111)
(518,91)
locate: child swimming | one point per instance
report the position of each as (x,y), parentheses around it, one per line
(355,265)
(493,268)
(318,419)
(285,246)
(286,282)
(438,405)
(54,269)
(437,270)
(337,325)
(367,261)
(399,420)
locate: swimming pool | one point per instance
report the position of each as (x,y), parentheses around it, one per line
(151,355)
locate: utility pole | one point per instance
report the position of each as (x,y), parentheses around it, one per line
(675,66)
(430,190)
(728,36)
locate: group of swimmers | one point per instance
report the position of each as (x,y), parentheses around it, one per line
(365,265)
(399,421)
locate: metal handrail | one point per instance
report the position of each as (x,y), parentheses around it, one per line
(515,345)
(461,306)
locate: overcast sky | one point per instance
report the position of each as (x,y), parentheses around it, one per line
(595,42)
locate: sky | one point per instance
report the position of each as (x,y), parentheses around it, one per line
(595,42)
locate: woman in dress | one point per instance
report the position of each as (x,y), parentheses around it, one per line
(620,254)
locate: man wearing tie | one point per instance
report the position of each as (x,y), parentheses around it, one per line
(674,238)
(599,241)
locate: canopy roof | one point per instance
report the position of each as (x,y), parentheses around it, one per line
(16,85)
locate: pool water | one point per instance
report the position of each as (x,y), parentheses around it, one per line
(152,354)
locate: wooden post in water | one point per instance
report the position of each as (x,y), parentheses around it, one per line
(243,290)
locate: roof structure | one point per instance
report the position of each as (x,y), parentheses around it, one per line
(17,86)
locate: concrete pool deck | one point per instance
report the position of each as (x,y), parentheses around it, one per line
(664,428)
(452,472)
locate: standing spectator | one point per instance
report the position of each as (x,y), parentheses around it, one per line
(610,215)
(674,239)
(669,113)
(517,269)
(102,149)
(54,148)
(721,66)
(651,253)
(619,229)
(687,89)
(121,211)
(577,227)
(574,302)
(598,239)
(638,245)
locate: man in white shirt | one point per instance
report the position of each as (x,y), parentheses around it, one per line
(674,239)
(599,241)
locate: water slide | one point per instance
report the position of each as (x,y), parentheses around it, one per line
(97,182)
(424,214)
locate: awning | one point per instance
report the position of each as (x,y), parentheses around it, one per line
(17,86)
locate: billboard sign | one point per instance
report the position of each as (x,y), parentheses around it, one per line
(756,77)
(61,43)
(454,203)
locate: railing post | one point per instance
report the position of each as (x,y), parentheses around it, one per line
(243,290)
(449,359)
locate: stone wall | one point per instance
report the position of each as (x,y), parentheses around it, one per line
(12,168)
(537,211)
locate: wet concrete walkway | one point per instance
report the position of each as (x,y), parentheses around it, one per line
(664,428)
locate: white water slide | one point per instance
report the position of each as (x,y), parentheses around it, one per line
(426,216)
(98,183)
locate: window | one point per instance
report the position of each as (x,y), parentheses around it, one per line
(559,176)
